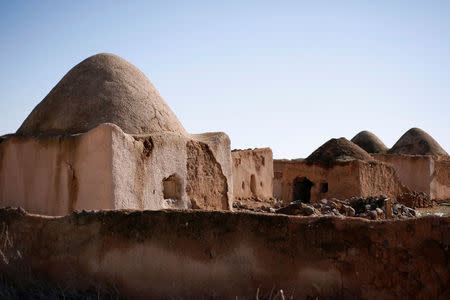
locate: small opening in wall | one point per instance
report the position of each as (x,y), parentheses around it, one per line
(253,184)
(260,184)
(324,187)
(243,185)
(302,189)
(172,187)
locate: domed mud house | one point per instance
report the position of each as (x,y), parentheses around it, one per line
(338,169)
(104,138)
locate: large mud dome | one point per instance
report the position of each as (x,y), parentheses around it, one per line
(104,138)
(224,255)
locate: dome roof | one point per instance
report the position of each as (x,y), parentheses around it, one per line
(369,142)
(417,142)
(103,88)
(338,150)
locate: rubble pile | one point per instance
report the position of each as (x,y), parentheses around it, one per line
(415,199)
(256,204)
(372,207)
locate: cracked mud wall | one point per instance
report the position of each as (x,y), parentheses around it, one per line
(341,179)
(142,164)
(412,170)
(106,168)
(220,145)
(422,173)
(440,185)
(197,254)
(57,174)
(256,164)
(377,178)
(278,169)
(206,185)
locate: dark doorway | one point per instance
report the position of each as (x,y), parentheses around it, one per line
(302,189)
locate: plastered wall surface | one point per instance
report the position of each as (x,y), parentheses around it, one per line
(56,174)
(413,170)
(278,168)
(203,254)
(423,173)
(440,184)
(253,173)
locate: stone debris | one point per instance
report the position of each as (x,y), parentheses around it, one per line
(297,208)
(372,208)
(256,204)
(415,199)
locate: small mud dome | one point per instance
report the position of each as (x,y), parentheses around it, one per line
(338,150)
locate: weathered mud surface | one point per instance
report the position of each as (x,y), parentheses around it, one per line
(206,185)
(198,254)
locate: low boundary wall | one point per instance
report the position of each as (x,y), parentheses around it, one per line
(224,255)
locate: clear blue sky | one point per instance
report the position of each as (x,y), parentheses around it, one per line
(284,74)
